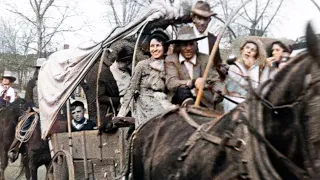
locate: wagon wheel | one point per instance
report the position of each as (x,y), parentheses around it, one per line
(61,167)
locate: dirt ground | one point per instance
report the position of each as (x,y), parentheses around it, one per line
(13,170)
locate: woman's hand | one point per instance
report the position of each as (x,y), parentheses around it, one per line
(159,95)
(271,61)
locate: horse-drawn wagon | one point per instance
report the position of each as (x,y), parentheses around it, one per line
(88,154)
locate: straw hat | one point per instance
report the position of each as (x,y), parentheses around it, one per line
(40,62)
(9,75)
(185,34)
(202,8)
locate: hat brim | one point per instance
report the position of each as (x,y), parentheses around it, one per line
(12,79)
(203,13)
(175,41)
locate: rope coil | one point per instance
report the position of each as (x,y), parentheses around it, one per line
(27,135)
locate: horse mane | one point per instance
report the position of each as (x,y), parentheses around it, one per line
(18,104)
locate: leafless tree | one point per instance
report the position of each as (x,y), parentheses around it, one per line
(122,11)
(16,38)
(255,19)
(48,17)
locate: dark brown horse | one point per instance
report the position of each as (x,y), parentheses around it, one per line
(274,134)
(34,153)
(8,119)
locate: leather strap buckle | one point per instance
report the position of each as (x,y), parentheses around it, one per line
(240,144)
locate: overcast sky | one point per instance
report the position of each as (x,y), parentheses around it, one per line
(291,24)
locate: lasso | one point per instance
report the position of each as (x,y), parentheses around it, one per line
(25,137)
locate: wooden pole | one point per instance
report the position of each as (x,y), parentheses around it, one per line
(69,127)
(97,98)
(214,51)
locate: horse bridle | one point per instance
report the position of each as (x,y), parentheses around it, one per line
(296,107)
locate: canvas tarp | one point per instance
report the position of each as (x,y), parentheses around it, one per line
(64,70)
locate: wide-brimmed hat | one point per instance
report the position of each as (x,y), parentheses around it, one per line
(202,8)
(40,62)
(186,33)
(9,75)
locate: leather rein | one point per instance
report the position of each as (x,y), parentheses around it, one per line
(237,143)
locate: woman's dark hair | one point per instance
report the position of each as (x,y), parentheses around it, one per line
(282,45)
(252,42)
(161,36)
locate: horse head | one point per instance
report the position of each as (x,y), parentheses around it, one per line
(290,110)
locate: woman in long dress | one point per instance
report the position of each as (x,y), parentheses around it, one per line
(251,63)
(146,96)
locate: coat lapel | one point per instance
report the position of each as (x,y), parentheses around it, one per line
(184,71)
(212,39)
(197,70)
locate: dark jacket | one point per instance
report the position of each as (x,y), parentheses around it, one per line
(221,69)
(212,39)
(29,92)
(108,89)
(87,126)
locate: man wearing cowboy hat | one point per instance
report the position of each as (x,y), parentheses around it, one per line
(32,90)
(185,68)
(6,91)
(201,17)
(32,105)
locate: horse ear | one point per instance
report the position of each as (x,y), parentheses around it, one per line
(312,42)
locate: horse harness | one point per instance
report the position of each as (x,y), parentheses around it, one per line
(229,140)
(237,144)
(296,107)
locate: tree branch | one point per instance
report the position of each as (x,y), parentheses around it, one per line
(275,13)
(314,2)
(263,11)
(246,12)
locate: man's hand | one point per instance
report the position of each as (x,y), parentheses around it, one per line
(199,83)
(160,9)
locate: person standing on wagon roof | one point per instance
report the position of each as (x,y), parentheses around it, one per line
(201,17)
(6,91)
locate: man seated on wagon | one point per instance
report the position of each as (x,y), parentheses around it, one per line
(185,68)
(79,122)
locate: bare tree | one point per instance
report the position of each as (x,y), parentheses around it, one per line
(125,11)
(122,11)
(48,18)
(16,38)
(255,19)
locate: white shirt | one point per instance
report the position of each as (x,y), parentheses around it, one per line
(203,44)
(122,78)
(189,64)
(10,93)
